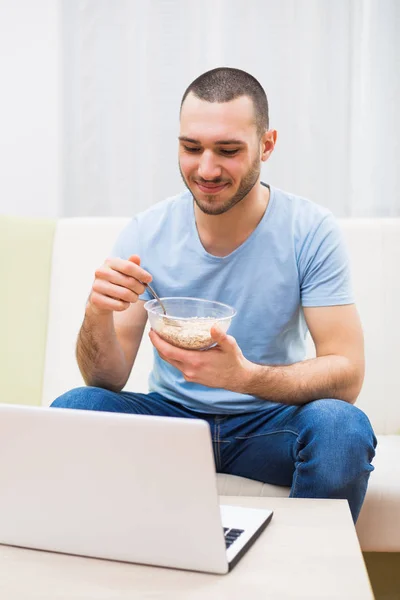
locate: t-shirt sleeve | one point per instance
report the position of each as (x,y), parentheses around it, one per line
(324,267)
(128,243)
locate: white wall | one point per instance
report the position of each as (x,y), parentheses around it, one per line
(330,70)
(30,148)
(90,91)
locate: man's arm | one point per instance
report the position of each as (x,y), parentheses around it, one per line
(114,323)
(336,372)
(108,344)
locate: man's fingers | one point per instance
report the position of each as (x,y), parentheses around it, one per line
(118,283)
(106,304)
(119,279)
(174,363)
(168,351)
(135,259)
(116,292)
(223,340)
(130,268)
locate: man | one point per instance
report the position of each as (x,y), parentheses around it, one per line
(279,260)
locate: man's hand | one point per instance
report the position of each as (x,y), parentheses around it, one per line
(223,366)
(117,285)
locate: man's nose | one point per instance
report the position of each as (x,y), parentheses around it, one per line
(208,167)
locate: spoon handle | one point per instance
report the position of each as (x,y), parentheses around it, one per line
(156,297)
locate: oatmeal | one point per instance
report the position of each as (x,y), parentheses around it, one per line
(191,335)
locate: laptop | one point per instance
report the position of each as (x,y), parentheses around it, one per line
(133,488)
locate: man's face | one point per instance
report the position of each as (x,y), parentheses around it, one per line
(219,152)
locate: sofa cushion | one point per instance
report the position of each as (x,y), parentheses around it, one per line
(25,250)
(374,250)
(232,485)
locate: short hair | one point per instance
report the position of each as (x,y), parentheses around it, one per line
(225,84)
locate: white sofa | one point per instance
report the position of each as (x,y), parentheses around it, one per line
(81,244)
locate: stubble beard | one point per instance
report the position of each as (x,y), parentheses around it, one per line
(246,185)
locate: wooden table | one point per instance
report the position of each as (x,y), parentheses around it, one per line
(308,551)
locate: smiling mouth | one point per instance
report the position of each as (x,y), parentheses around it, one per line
(210,188)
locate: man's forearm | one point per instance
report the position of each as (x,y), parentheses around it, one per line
(100,357)
(323,377)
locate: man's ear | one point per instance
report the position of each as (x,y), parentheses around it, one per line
(268,142)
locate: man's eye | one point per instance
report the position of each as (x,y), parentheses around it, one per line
(191,149)
(229,152)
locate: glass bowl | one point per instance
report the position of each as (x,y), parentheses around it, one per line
(188,321)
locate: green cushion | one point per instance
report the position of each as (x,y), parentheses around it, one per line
(25,250)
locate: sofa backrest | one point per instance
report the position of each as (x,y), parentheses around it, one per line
(82,244)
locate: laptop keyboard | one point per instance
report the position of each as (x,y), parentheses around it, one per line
(231,535)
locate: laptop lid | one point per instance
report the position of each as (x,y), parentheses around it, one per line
(108,485)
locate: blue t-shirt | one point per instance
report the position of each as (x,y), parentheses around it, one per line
(295,257)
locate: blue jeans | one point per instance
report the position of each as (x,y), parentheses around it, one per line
(322,449)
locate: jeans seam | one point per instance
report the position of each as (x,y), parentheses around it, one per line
(216,444)
(219,444)
(294,482)
(295,475)
(248,437)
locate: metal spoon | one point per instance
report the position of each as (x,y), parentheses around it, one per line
(156,297)
(166,321)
